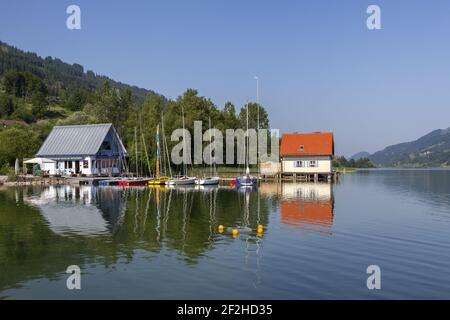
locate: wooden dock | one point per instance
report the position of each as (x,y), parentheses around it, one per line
(302,177)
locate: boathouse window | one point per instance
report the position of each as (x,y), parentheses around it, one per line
(301,148)
(299,164)
(105,146)
(313,163)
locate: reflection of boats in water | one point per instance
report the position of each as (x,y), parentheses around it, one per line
(182,218)
(246,188)
(207,187)
(307,206)
(83,210)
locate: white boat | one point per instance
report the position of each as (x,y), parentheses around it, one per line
(208,181)
(184,179)
(181,181)
(211,180)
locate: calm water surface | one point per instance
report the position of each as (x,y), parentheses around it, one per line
(318,240)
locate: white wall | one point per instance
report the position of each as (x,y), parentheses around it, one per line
(324,164)
(49,167)
(88,170)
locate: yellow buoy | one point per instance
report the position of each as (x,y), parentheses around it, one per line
(221,228)
(235,232)
(260,226)
(260,231)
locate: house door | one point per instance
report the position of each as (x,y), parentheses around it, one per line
(77,167)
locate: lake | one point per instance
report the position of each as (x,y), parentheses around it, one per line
(317,240)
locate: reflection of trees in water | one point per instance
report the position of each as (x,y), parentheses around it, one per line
(147,219)
(29,249)
(185,221)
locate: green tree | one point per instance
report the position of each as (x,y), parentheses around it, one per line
(14,83)
(253,116)
(7,106)
(77,100)
(110,106)
(78,118)
(230,119)
(17,142)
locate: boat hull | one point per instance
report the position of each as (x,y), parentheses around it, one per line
(133,183)
(208,181)
(105,183)
(181,181)
(158,182)
(246,181)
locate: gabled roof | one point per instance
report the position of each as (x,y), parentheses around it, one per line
(77,140)
(319,143)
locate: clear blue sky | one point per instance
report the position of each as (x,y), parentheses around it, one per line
(320,68)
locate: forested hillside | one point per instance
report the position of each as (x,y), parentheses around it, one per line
(37,94)
(431,150)
(63,80)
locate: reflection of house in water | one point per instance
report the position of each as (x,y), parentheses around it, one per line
(307,206)
(77,210)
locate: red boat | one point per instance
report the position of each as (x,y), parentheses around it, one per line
(133,182)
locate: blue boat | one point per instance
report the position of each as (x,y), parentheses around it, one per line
(247,180)
(111,182)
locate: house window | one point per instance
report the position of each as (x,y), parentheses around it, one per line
(106,146)
(86,164)
(313,163)
(299,164)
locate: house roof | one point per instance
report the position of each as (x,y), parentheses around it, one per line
(76,140)
(318,143)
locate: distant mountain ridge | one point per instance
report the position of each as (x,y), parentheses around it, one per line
(360,155)
(60,77)
(431,150)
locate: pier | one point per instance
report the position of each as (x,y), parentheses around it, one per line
(302,177)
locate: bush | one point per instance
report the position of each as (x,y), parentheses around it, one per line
(6,170)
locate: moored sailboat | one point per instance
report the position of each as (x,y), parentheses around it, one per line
(159,180)
(136,181)
(211,180)
(184,179)
(247,179)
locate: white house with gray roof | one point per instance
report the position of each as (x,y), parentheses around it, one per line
(84,149)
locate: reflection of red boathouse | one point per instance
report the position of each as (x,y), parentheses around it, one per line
(307,206)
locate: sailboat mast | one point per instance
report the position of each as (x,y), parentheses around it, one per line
(158,152)
(210,138)
(146,154)
(136,150)
(165,148)
(184,144)
(247,169)
(257,129)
